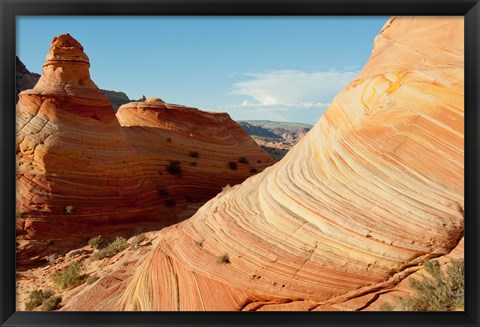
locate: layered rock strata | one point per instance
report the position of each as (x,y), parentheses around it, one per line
(80,173)
(373,189)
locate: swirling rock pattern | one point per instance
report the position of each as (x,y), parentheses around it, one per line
(81,173)
(373,189)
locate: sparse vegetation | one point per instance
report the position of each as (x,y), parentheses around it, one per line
(138,239)
(49,242)
(51,303)
(232,165)
(223,258)
(194,154)
(441,291)
(92,279)
(170,203)
(193,163)
(243,160)
(253,171)
(36,298)
(69,277)
(169,140)
(20,214)
(69,209)
(111,249)
(96,242)
(174,168)
(188,198)
(226,188)
(162,191)
(259,161)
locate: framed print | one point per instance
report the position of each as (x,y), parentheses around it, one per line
(239,163)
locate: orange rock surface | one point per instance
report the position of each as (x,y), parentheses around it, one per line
(370,192)
(81,173)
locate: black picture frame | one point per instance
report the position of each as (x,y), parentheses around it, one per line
(470,9)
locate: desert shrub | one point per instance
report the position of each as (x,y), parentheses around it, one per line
(69,209)
(69,276)
(20,214)
(194,154)
(223,258)
(259,161)
(138,239)
(35,298)
(162,191)
(188,198)
(51,303)
(96,242)
(170,203)
(111,249)
(226,188)
(441,291)
(193,163)
(169,140)
(92,279)
(253,171)
(243,160)
(174,168)
(232,165)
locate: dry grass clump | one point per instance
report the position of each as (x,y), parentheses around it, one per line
(69,276)
(440,291)
(111,249)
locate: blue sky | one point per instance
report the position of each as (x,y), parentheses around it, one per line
(274,68)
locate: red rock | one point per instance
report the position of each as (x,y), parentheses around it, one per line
(81,174)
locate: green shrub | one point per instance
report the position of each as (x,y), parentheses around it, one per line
(441,291)
(51,303)
(111,249)
(232,165)
(69,277)
(35,298)
(243,160)
(174,168)
(96,242)
(194,154)
(92,279)
(223,258)
(162,191)
(69,210)
(170,203)
(138,239)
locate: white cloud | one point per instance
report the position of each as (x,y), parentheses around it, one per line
(290,94)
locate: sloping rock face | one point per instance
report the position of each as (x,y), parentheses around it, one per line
(80,173)
(198,146)
(373,189)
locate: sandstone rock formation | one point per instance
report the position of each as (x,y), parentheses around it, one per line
(371,191)
(80,173)
(26,80)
